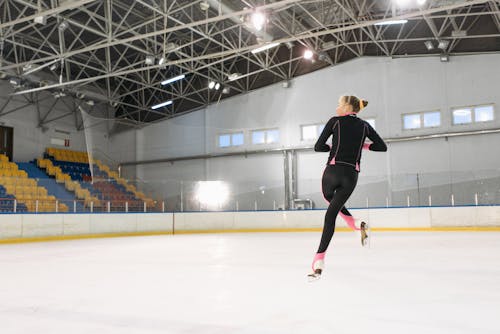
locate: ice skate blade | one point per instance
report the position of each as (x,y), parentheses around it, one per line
(316,275)
(365,235)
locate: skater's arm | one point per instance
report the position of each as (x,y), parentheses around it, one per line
(377,142)
(321,145)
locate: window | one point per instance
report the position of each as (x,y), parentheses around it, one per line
(265,136)
(312,132)
(477,114)
(427,119)
(462,116)
(412,121)
(237,139)
(231,139)
(224,140)
(483,113)
(432,119)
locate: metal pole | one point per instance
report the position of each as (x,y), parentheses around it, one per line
(408,200)
(430,200)
(109,206)
(74,206)
(163,206)
(476,199)
(126,206)
(452,200)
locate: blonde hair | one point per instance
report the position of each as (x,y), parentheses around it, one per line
(356,103)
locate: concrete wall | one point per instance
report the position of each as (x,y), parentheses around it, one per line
(461,166)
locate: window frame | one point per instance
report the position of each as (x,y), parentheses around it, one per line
(231,143)
(265,131)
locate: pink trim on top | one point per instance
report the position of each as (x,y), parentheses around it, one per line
(349,220)
(366,146)
(317,257)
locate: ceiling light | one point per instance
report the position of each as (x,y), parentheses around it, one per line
(3,75)
(233,76)
(421,2)
(217,86)
(174,79)
(443,44)
(15,82)
(429,45)
(211,84)
(265,47)
(164,104)
(258,20)
(308,54)
(204,6)
(63,25)
(150,60)
(444,58)
(114,104)
(459,33)
(161,61)
(90,102)
(402,2)
(80,95)
(226,90)
(390,22)
(54,66)
(40,19)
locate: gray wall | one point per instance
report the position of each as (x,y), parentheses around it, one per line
(458,165)
(30,140)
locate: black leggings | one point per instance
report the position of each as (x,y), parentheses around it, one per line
(338,183)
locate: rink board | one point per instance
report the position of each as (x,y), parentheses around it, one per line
(39,226)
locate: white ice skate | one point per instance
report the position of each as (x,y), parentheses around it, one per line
(364,231)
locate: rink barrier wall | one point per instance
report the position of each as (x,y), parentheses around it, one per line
(42,227)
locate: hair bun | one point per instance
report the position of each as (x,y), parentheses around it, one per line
(365,103)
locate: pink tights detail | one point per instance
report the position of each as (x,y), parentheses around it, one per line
(349,220)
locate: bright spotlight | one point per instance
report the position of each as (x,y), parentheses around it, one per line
(217,86)
(421,2)
(211,84)
(212,193)
(258,20)
(308,54)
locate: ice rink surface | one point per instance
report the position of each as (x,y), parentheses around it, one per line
(254,283)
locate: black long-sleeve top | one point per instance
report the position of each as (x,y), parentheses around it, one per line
(349,134)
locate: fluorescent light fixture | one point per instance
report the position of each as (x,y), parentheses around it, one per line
(150,60)
(40,19)
(217,86)
(211,84)
(444,58)
(421,2)
(174,79)
(443,44)
(429,45)
(161,61)
(391,22)
(308,54)
(233,76)
(265,47)
(164,104)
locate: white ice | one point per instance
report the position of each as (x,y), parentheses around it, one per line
(425,283)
